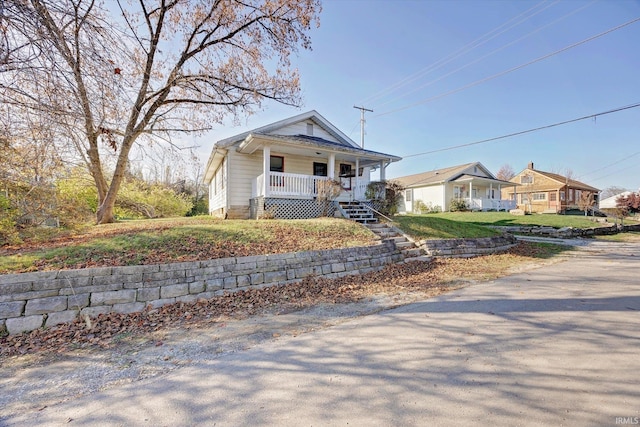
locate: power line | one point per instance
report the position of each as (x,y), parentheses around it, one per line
(613,173)
(502,73)
(591,172)
(590,116)
(463,50)
(422,86)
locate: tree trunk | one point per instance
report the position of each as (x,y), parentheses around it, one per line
(104,215)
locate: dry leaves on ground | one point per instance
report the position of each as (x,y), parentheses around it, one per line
(428,278)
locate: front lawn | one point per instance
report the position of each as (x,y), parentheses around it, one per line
(180,239)
(448,225)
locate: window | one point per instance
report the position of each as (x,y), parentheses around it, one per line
(578,194)
(539,196)
(310,129)
(457,192)
(407,195)
(571,194)
(526,179)
(277,164)
(562,195)
(552,197)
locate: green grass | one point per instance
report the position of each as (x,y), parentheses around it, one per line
(439,226)
(474,224)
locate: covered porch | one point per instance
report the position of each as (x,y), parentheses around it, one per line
(284,162)
(483,194)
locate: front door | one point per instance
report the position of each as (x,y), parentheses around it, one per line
(319,169)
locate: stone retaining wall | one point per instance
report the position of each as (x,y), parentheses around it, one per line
(567,232)
(43,299)
(467,247)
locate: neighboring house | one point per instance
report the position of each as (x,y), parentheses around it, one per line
(278,168)
(471,182)
(547,192)
(612,202)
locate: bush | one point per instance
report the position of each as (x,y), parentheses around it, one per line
(425,208)
(387,193)
(458,205)
(137,199)
(77,199)
(8,231)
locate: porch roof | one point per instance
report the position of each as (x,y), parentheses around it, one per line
(312,145)
(484,179)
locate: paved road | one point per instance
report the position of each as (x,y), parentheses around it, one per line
(558,345)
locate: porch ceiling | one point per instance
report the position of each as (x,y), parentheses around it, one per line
(310,148)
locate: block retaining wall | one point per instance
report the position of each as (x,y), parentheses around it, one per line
(30,301)
(468,247)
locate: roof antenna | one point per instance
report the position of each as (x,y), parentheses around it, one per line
(362,110)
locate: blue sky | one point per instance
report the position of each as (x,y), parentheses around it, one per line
(401,58)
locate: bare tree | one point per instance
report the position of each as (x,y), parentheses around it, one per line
(505,173)
(612,191)
(586,201)
(154,69)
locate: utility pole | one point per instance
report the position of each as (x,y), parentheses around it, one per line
(362,110)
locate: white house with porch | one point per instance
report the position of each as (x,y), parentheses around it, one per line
(278,169)
(471,182)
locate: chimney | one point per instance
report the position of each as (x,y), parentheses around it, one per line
(530,165)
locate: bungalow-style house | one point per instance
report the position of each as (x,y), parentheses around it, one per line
(546,192)
(472,182)
(277,169)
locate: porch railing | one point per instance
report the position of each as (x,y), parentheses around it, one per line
(483,204)
(280,184)
(287,184)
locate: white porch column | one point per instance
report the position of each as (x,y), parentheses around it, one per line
(382,171)
(471,195)
(357,177)
(491,190)
(332,166)
(266,168)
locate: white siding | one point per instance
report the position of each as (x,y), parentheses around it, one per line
(300,128)
(243,169)
(429,195)
(218,189)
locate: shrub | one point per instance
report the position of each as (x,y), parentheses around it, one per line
(458,205)
(137,199)
(387,193)
(8,231)
(327,191)
(425,208)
